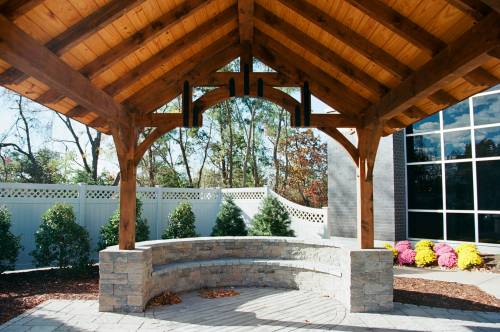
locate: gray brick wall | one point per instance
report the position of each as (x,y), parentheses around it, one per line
(389,189)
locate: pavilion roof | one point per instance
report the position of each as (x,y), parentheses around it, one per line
(102,62)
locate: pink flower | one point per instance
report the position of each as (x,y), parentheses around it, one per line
(443,249)
(447,259)
(407,257)
(402,246)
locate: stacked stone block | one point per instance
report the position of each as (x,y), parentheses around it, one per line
(361,280)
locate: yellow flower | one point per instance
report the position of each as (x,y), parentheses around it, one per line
(466,247)
(391,248)
(425,257)
(424,244)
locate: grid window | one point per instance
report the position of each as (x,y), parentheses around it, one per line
(423,147)
(459,189)
(425,225)
(457,116)
(457,144)
(486,109)
(453,172)
(487,142)
(460,227)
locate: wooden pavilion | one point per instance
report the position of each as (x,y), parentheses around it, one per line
(381,64)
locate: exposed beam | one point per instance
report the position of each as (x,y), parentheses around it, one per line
(12,9)
(342,140)
(493,4)
(443,98)
(22,51)
(77,33)
(349,37)
(270,79)
(481,77)
(399,24)
(415,113)
(177,47)
(331,120)
(459,58)
(245,20)
(273,21)
(473,8)
(164,89)
(286,61)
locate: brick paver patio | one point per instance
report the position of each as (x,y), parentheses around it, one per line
(258,309)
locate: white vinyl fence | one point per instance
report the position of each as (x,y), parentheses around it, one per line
(93,205)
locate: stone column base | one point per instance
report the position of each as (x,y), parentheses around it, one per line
(124,279)
(367,280)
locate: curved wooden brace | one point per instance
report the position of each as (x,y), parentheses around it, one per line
(342,140)
(150,139)
(274,95)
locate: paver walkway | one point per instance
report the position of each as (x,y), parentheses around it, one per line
(255,309)
(487,281)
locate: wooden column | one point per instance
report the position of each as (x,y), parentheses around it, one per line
(368,141)
(126,144)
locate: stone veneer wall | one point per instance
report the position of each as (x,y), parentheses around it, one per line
(360,279)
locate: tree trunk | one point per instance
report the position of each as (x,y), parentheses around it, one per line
(275,152)
(229,121)
(184,158)
(205,154)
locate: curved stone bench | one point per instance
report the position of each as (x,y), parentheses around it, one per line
(361,279)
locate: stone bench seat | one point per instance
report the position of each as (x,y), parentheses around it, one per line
(278,263)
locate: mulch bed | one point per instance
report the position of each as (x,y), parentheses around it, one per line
(443,294)
(23,291)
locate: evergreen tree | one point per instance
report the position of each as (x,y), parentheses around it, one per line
(109,231)
(229,220)
(9,243)
(181,222)
(272,219)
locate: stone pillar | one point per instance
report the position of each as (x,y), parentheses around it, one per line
(367,280)
(124,279)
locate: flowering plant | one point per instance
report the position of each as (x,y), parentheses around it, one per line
(403,245)
(468,259)
(443,248)
(425,257)
(447,259)
(406,257)
(424,244)
(466,247)
(391,248)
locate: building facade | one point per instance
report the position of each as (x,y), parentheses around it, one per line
(438,179)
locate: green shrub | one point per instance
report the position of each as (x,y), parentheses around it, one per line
(109,231)
(271,220)
(9,243)
(181,222)
(229,220)
(61,241)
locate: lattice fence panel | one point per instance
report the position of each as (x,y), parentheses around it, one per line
(244,195)
(38,193)
(103,194)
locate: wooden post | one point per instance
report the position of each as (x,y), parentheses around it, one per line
(126,144)
(368,141)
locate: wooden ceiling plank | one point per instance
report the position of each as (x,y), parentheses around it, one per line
(171,50)
(77,33)
(459,58)
(399,24)
(138,39)
(348,37)
(12,9)
(319,50)
(348,101)
(167,87)
(473,8)
(21,51)
(481,77)
(245,20)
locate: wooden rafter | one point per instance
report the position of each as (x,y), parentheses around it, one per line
(399,24)
(23,52)
(77,33)
(348,36)
(443,98)
(493,4)
(458,59)
(245,20)
(177,47)
(473,8)
(12,9)
(481,77)
(131,44)
(274,22)
(286,61)
(270,79)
